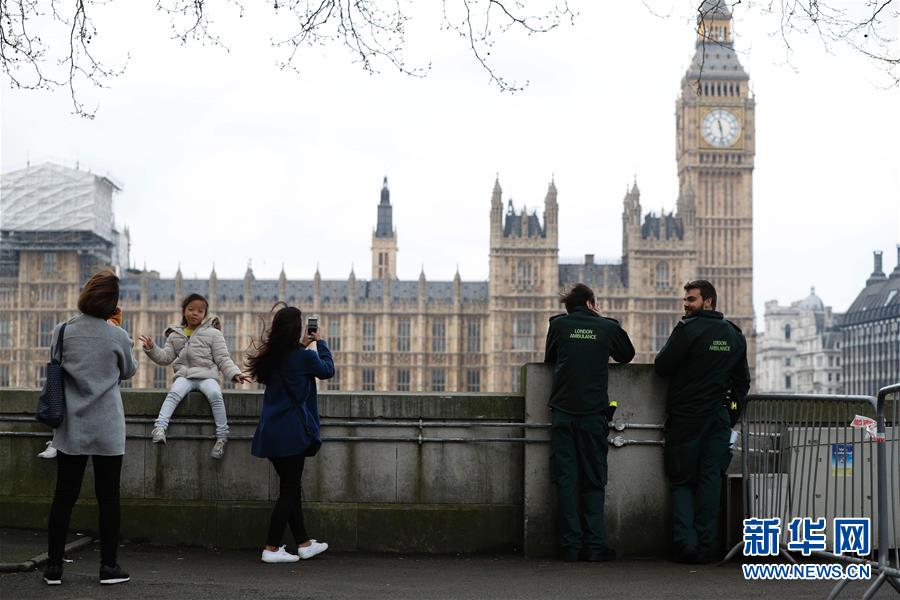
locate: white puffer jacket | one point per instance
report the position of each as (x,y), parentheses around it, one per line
(200,356)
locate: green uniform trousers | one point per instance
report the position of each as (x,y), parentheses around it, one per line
(696,455)
(578,448)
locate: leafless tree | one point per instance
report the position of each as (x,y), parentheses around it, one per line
(374,32)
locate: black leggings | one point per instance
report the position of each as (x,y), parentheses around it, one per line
(289,507)
(69,473)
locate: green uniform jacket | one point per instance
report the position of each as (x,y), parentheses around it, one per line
(579,345)
(705,358)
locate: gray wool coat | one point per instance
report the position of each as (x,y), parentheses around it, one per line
(200,356)
(96,356)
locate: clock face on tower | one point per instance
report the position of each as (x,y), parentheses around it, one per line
(720,128)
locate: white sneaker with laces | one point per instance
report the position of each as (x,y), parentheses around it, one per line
(159,435)
(279,556)
(312,550)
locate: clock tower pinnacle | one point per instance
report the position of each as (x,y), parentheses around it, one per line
(715,149)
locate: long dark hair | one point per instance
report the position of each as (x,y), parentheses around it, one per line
(282,338)
(188,300)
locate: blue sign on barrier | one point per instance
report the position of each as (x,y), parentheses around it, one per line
(842,460)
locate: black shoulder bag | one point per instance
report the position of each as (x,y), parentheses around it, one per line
(51,407)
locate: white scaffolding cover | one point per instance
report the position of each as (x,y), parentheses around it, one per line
(50,197)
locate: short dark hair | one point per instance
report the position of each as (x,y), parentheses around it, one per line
(190,298)
(579,295)
(100,295)
(707,290)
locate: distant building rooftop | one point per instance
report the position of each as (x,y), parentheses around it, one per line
(50,197)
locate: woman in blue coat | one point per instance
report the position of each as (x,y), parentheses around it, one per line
(287,362)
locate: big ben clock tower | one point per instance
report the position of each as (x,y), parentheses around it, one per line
(715,148)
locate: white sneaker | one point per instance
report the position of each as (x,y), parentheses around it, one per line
(50,452)
(279,556)
(159,435)
(313,549)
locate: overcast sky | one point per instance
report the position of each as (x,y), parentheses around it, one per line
(225,158)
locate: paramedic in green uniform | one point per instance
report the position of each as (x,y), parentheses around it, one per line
(579,345)
(705,360)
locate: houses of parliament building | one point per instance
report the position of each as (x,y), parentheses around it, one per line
(437,336)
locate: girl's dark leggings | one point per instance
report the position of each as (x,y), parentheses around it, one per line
(289,508)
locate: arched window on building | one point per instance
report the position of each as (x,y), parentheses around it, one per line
(523,332)
(523,275)
(662,275)
(661,330)
(787,331)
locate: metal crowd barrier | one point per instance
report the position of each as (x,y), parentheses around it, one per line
(800,457)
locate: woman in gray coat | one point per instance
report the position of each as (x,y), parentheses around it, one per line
(97,355)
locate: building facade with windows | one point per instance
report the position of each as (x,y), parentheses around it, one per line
(800,350)
(456,335)
(871,333)
(56,229)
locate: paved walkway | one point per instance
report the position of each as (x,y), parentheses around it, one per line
(165,572)
(20,545)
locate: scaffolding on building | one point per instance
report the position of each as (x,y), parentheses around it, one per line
(51,208)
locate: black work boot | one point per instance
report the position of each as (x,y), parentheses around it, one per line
(604,554)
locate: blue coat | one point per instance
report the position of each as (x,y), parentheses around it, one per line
(281,422)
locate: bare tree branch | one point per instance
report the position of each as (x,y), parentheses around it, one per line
(24,55)
(511,16)
(374,32)
(867,28)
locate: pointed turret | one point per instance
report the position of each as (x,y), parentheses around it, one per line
(385,224)
(715,58)
(551,211)
(632,206)
(213,284)
(877,271)
(384,239)
(422,286)
(351,288)
(248,284)
(317,284)
(179,279)
(896,272)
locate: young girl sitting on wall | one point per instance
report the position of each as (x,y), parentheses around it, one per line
(198,349)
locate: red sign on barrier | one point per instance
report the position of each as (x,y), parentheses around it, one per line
(871,427)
